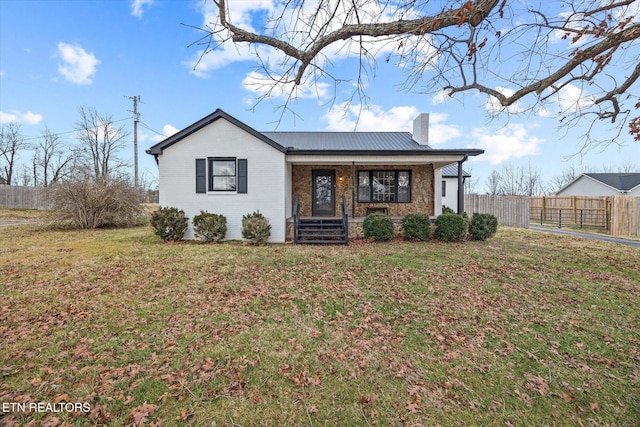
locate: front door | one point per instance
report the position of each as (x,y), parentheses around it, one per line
(324,192)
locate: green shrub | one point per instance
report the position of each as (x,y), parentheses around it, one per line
(210,227)
(450,227)
(416,226)
(492,222)
(378,227)
(169,223)
(256,228)
(482,226)
(447,210)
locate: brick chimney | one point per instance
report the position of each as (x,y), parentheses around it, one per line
(421,129)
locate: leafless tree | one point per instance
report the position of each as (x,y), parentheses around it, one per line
(493,183)
(580,55)
(52,161)
(515,181)
(471,183)
(101,140)
(11,141)
(565,177)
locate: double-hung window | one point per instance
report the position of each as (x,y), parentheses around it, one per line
(384,186)
(222,174)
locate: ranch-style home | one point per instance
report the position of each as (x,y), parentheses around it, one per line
(603,184)
(312,186)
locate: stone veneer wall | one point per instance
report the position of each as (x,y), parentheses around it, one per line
(421,188)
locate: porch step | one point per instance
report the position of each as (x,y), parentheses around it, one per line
(322,231)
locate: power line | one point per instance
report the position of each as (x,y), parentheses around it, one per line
(30,138)
(146,126)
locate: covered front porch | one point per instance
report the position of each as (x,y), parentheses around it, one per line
(325,192)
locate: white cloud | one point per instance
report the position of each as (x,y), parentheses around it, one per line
(440,97)
(136,7)
(77,65)
(167,131)
(573,99)
(439,131)
(344,118)
(509,142)
(241,14)
(493,106)
(373,118)
(27,118)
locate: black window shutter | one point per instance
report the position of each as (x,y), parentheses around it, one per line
(201,175)
(242,175)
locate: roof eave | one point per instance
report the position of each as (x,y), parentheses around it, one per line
(218,114)
(432,152)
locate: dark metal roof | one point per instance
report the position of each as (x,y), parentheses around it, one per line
(619,181)
(218,114)
(322,143)
(348,141)
(451,171)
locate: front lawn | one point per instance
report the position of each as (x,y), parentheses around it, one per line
(523,329)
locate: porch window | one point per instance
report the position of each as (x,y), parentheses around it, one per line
(384,186)
(223,174)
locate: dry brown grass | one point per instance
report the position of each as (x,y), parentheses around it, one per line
(523,329)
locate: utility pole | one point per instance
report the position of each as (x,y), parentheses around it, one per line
(136,119)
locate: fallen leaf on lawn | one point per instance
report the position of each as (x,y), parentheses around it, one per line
(413,407)
(368,399)
(567,397)
(141,414)
(61,398)
(183,415)
(537,383)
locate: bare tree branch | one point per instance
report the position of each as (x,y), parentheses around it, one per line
(507,49)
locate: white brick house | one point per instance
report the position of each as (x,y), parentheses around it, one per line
(221,165)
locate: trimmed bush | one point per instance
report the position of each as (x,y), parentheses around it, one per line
(482,226)
(169,223)
(450,227)
(378,227)
(256,228)
(210,227)
(416,227)
(447,210)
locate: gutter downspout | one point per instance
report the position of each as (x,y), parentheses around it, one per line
(461,185)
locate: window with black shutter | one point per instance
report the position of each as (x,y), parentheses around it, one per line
(221,174)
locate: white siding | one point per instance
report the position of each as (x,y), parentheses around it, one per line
(437,191)
(266,178)
(585,186)
(450,200)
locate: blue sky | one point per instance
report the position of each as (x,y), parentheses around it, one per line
(58,55)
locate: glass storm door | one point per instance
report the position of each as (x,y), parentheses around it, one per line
(324,193)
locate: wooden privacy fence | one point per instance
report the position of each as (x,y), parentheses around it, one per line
(510,211)
(617,215)
(579,211)
(625,216)
(20,197)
